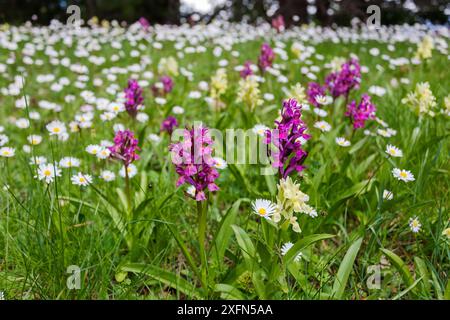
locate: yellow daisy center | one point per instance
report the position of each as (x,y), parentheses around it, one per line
(262,211)
(403,174)
(56,130)
(47,173)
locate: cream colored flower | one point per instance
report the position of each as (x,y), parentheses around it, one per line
(248,92)
(421,100)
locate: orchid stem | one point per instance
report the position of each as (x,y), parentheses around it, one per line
(202,212)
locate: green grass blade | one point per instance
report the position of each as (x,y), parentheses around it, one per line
(165,277)
(345,269)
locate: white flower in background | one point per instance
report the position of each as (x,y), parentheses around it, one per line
(377,91)
(260,129)
(69,162)
(93,149)
(107,175)
(342,142)
(103,153)
(177,110)
(38,160)
(415,224)
(322,126)
(388,195)
(132,171)
(7,152)
(81,179)
(118,127)
(320,112)
(286,247)
(403,175)
(191,191)
(154,138)
(56,128)
(34,139)
(298,257)
(393,151)
(142,117)
(22,123)
(3,140)
(220,163)
(263,208)
(323,100)
(48,172)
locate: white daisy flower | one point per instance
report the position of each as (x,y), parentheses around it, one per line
(34,139)
(298,257)
(38,160)
(154,138)
(263,208)
(103,153)
(286,247)
(22,123)
(3,140)
(260,129)
(56,128)
(107,175)
(93,149)
(388,195)
(178,110)
(132,171)
(7,152)
(342,142)
(393,151)
(69,162)
(323,100)
(415,224)
(322,126)
(48,172)
(81,179)
(404,175)
(320,112)
(220,163)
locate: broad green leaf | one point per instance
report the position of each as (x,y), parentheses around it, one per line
(424,274)
(447,291)
(245,243)
(345,269)
(229,292)
(400,266)
(166,277)
(304,243)
(224,232)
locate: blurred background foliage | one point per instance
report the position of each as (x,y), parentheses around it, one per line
(324,12)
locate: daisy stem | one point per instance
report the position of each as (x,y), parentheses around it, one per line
(202,212)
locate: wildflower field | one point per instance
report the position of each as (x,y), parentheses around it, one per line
(224,161)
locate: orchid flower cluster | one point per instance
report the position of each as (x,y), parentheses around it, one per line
(125,147)
(278,23)
(247,70)
(194,163)
(266,57)
(360,113)
(169,124)
(315,90)
(163,87)
(133,96)
(287,139)
(340,83)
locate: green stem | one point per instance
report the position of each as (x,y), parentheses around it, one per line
(127,187)
(202,213)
